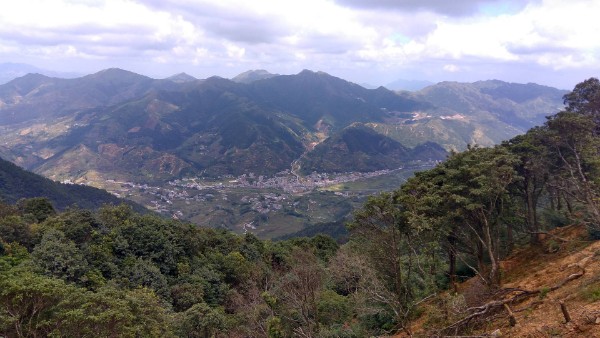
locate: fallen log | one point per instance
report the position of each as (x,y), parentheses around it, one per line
(522,294)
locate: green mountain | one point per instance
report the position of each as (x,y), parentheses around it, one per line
(38,97)
(519,105)
(484,113)
(123,126)
(325,102)
(170,129)
(224,153)
(16,183)
(359,148)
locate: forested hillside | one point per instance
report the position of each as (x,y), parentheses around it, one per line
(16,184)
(137,137)
(117,273)
(119,125)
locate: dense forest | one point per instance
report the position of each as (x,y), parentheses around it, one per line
(114,272)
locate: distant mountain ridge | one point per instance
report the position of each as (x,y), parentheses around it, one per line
(116,124)
(10,71)
(253,75)
(35,96)
(410,85)
(483,113)
(521,105)
(362,149)
(181,78)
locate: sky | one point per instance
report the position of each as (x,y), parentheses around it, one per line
(550,42)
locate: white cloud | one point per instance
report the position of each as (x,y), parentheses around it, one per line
(235,52)
(451,68)
(375,39)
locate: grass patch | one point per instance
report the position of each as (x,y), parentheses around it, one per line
(591,292)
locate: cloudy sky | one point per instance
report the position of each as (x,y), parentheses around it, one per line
(552,42)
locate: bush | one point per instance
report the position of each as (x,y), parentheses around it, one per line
(594,231)
(554,218)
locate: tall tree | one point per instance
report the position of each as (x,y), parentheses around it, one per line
(427,208)
(575,147)
(402,253)
(585,99)
(467,196)
(576,144)
(533,167)
(299,290)
(479,179)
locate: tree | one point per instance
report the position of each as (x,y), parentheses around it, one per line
(585,99)
(575,141)
(39,208)
(478,182)
(403,253)
(14,229)
(201,321)
(466,199)
(33,305)
(29,303)
(298,293)
(139,272)
(534,169)
(78,225)
(374,304)
(7,209)
(59,257)
(575,145)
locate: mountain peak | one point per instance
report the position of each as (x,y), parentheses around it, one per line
(10,71)
(181,78)
(313,73)
(310,72)
(116,73)
(31,77)
(253,75)
(28,82)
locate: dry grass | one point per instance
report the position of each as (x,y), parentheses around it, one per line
(565,253)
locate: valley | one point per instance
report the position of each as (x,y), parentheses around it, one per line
(269,207)
(315,169)
(245,188)
(275,155)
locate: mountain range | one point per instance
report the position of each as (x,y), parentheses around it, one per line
(11,70)
(121,125)
(410,85)
(272,154)
(120,122)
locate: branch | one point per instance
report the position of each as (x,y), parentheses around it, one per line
(549,234)
(472,268)
(522,295)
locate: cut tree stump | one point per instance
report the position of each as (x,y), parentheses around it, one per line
(565,312)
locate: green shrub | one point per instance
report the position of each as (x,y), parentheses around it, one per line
(591,292)
(554,218)
(594,231)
